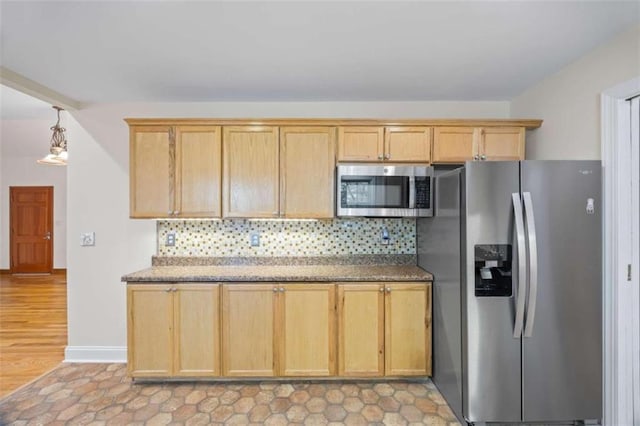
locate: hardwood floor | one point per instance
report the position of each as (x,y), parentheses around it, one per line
(33,327)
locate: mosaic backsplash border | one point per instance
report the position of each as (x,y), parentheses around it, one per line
(286,237)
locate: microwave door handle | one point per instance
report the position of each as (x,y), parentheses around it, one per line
(412,192)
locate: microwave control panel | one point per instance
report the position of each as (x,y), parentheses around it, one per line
(423,192)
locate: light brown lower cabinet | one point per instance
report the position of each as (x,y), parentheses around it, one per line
(173,330)
(384,329)
(279,330)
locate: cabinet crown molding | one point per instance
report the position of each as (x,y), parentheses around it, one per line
(529,124)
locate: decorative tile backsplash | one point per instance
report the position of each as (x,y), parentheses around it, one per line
(290,237)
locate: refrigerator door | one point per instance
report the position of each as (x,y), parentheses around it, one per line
(562,374)
(491,354)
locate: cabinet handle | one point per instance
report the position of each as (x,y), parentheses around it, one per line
(275,290)
(476,157)
(176,212)
(483,157)
(381,290)
(170,213)
(281,289)
(174,289)
(380,157)
(388,289)
(387,157)
(167,290)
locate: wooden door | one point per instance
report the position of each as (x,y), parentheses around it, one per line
(357,143)
(198,171)
(361,329)
(307,343)
(31,229)
(408,144)
(248,313)
(250,172)
(502,143)
(197,330)
(149,330)
(307,170)
(151,171)
(454,144)
(408,329)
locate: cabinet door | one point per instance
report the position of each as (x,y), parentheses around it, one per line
(198,171)
(307,162)
(454,144)
(248,313)
(149,337)
(307,343)
(151,171)
(408,329)
(250,172)
(408,144)
(360,143)
(502,143)
(196,336)
(361,329)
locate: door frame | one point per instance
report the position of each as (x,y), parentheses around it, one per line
(50,189)
(620,163)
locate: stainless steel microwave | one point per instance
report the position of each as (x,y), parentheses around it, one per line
(384,190)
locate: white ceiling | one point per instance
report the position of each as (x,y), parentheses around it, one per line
(102,51)
(17,105)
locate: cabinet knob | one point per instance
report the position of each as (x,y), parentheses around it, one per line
(476,157)
(176,212)
(167,290)
(388,289)
(275,290)
(281,289)
(483,157)
(381,290)
(380,157)
(387,157)
(174,289)
(170,213)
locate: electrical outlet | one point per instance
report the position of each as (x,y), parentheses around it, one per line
(255,239)
(171,239)
(88,239)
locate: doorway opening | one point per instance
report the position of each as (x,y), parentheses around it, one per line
(31,229)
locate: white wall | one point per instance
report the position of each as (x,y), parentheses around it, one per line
(98,200)
(569,101)
(18,167)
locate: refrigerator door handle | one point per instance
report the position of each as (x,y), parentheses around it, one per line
(522,264)
(533,263)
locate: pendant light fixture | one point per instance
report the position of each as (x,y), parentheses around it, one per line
(58,151)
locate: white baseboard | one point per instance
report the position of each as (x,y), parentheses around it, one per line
(95,354)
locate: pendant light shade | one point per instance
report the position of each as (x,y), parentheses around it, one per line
(58,151)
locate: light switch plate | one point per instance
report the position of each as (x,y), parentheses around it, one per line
(255,240)
(88,239)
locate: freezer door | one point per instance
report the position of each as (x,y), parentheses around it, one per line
(491,353)
(562,373)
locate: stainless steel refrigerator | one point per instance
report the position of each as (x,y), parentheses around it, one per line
(516,253)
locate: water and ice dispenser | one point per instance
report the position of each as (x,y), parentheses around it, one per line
(493,270)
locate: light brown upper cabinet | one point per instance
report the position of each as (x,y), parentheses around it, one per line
(175,171)
(307,172)
(250,171)
(460,144)
(392,144)
(360,143)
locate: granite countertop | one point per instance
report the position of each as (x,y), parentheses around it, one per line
(286,270)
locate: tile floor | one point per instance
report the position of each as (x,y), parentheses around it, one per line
(102,394)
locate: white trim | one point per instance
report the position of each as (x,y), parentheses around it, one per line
(618,302)
(95,354)
(33,88)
